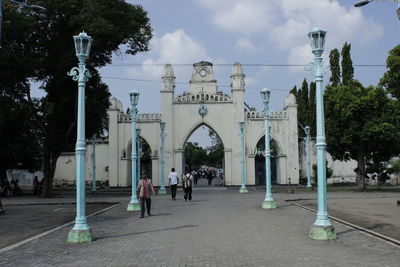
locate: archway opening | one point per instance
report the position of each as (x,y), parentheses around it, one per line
(204,156)
(260,161)
(144,154)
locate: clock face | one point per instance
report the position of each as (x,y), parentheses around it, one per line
(203,72)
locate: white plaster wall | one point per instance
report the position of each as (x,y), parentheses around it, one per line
(343,171)
(66,165)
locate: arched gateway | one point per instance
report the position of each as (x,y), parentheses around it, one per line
(201,104)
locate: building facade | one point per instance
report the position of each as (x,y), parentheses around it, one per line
(201,104)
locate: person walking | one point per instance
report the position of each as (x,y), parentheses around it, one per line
(188,185)
(173,182)
(35,185)
(195,176)
(144,187)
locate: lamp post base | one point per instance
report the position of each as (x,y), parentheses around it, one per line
(243,190)
(268,205)
(322,232)
(162,191)
(80,236)
(133,207)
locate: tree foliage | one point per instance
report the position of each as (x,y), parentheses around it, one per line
(347,64)
(39,47)
(361,124)
(391,79)
(334,58)
(305,98)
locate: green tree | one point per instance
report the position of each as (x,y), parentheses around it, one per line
(334,58)
(194,155)
(305,98)
(391,79)
(19,150)
(361,124)
(312,110)
(347,64)
(40,48)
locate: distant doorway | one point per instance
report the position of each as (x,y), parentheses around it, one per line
(204,154)
(144,154)
(260,161)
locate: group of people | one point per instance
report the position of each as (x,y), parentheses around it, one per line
(187,183)
(189,178)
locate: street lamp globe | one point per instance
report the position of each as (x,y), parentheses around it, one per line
(265,93)
(241,125)
(134,95)
(138,131)
(162,126)
(317,38)
(362,3)
(83,43)
(307,130)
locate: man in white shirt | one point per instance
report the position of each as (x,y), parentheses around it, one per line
(173,182)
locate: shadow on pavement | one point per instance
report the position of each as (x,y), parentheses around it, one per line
(150,231)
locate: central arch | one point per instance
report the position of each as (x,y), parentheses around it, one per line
(210,160)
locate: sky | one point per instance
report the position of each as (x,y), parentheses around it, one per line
(251,32)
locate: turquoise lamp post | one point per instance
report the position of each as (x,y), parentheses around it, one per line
(81,232)
(307,139)
(139,143)
(162,190)
(94,164)
(268,202)
(134,203)
(243,188)
(322,229)
(308,150)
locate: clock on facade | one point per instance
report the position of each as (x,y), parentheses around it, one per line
(203,72)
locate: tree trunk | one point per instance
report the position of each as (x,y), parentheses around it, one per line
(361,183)
(49,168)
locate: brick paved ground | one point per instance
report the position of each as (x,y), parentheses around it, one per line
(220,227)
(24,221)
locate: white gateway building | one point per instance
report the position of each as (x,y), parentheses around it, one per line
(202,104)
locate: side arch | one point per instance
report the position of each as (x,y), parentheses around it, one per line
(279,147)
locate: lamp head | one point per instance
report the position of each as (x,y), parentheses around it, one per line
(241,125)
(83,43)
(317,39)
(265,94)
(307,130)
(362,3)
(162,126)
(134,95)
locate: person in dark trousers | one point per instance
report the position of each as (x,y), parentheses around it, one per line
(35,185)
(195,176)
(173,182)
(188,185)
(209,177)
(144,188)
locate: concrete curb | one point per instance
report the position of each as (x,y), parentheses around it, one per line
(375,234)
(52,230)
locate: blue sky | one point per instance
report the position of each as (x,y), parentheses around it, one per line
(251,32)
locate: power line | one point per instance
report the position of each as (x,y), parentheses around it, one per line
(185,83)
(230,65)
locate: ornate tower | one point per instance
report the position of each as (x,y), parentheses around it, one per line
(167,111)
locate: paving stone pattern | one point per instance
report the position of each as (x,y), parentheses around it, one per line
(220,227)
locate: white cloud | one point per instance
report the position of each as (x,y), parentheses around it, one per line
(244,44)
(285,23)
(175,48)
